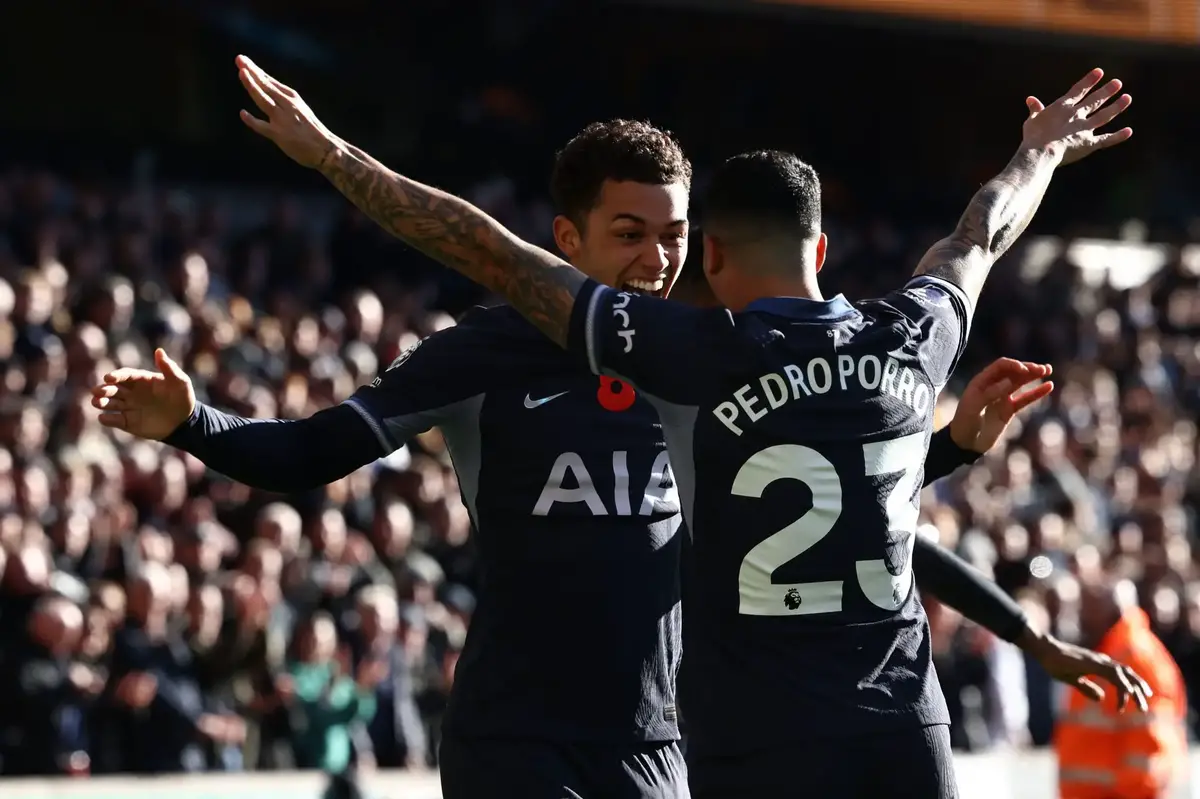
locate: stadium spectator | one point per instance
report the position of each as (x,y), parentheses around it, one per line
(165,716)
(48,712)
(1104,753)
(325,701)
(397,736)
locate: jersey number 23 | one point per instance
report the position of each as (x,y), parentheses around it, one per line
(761,597)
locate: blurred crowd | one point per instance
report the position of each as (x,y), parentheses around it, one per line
(1099,484)
(143,599)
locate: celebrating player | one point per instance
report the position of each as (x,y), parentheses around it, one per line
(817,620)
(521,724)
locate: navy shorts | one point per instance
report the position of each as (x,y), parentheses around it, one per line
(505,769)
(916,764)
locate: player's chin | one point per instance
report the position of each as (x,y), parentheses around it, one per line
(651,288)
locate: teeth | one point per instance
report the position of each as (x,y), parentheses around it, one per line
(647,285)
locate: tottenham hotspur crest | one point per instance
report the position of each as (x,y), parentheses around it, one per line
(404,356)
(400,359)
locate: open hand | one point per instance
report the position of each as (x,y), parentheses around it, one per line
(1081,668)
(993,398)
(1068,125)
(289,122)
(147,404)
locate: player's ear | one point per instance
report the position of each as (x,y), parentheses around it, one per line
(822,244)
(714,260)
(567,237)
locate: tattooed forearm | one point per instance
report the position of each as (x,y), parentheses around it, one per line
(996,217)
(541,286)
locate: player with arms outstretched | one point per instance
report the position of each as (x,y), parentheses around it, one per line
(818,635)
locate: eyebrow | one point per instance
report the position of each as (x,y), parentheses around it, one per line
(640,221)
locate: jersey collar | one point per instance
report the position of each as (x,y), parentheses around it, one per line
(804,309)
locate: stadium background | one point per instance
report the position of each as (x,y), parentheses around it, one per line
(135,210)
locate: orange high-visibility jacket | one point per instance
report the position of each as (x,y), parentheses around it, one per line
(1103,754)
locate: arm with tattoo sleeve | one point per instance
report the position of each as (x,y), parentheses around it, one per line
(448,229)
(538,284)
(1060,133)
(996,217)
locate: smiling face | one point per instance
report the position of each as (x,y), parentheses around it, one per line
(635,238)
(621,189)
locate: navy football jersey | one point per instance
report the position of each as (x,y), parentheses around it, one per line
(576,633)
(798,432)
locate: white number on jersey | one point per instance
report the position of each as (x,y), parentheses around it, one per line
(761,597)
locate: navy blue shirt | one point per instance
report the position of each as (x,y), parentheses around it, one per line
(576,635)
(798,432)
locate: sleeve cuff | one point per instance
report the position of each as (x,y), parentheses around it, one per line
(181,437)
(945,456)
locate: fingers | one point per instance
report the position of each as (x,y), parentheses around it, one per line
(259,126)
(1107,140)
(113,419)
(256,91)
(1135,687)
(126,374)
(1081,89)
(267,93)
(271,87)
(1099,97)
(1027,398)
(996,370)
(1034,105)
(124,396)
(282,88)
(1142,685)
(1125,689)
(115,401)
(1089,688)
(1038,371)
(997,392)
(1017,372)
(1110,112)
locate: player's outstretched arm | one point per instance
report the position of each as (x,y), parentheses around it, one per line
(967,590)
(1060,133)
(280,455)
(452,231)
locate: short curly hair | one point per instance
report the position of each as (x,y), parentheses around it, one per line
(619,150)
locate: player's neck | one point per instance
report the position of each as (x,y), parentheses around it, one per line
(761,287)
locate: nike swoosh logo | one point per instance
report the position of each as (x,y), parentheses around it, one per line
(532,403)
